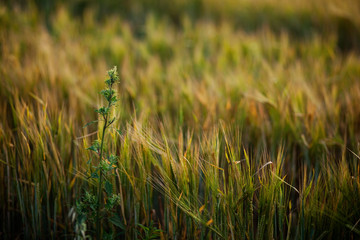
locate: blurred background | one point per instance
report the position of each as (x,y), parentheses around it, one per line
(301,19)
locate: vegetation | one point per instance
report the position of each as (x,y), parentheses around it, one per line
(238,121)
(91,207)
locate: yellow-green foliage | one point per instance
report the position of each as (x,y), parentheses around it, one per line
(230,125)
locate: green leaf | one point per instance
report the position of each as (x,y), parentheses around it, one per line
(102,111)
(92,148)
(108,188)
(108,82)
(116,220)
(90,123)
(114,99)
(307,189)
(113,158)
(146,229)
(108,94)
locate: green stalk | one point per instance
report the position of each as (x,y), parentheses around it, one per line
(98,221)
(98,229)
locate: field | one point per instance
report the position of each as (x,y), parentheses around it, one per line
(234,120)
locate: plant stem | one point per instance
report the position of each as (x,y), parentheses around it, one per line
(98,220)
(98,229)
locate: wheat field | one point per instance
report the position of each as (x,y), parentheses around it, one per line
(234,120)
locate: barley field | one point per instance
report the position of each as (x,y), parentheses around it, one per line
(224,120)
